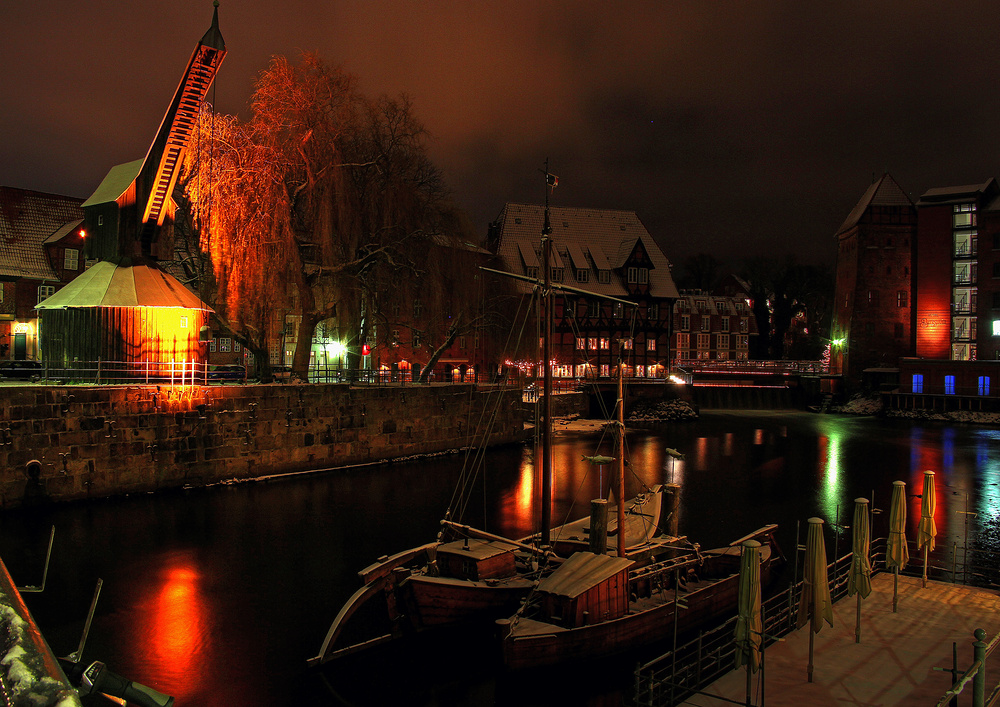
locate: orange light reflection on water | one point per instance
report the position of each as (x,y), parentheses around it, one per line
(178,630)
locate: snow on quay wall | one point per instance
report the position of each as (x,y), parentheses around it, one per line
(68,442)
(30,676)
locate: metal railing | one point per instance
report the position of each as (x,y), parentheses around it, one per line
(689,667)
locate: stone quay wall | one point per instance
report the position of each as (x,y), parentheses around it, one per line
(66,443)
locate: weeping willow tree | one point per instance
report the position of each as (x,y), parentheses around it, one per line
(318,204)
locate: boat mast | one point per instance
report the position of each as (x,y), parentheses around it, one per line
(621,451)
(547,313)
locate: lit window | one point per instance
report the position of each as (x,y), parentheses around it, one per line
(651,344)
(581,344)
(949,385)
(627,344)
(71,259)
(605,370)
(184,322)
(984,385)
(873,298)
(605,343)
(996,327)
(902,298)
(918,383)
(592,343)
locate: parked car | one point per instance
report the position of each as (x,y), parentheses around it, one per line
(20,369)
(229,372)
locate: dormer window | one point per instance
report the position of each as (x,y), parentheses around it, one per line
(604,277)
(638,276)
(71,259)
(531,272)
(583,276)
(557,274)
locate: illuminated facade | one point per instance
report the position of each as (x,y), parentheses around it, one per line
(873,309)
(606,252)
(957,294)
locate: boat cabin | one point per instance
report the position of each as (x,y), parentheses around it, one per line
(476,559)
(585,589)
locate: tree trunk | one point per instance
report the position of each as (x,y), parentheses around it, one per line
(448,341)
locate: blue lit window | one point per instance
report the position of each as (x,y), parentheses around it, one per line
(949,385)
(918,383)
(984,385)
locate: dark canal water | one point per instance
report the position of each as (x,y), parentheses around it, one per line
(218,596)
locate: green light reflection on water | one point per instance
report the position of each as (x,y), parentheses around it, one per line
(831,491)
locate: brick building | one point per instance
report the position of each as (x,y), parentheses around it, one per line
(957,289)
(711,327)
(41,242)
(873,308)
(606,252)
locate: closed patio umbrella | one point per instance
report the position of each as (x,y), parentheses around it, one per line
(926,530)
(896,552)
(749,623)
(859,581)
(815,604)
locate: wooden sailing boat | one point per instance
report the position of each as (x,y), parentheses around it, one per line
(467,575)
(595,605)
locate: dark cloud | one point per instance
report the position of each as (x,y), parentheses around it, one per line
(739,127)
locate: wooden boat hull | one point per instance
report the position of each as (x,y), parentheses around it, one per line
(527,643)
(443,601)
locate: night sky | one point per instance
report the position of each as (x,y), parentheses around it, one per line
(737,128)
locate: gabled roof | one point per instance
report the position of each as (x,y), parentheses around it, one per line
(607,236)
(107,284)
(63,231)
(115,182)
(27,220)
(884,192)
(581,572)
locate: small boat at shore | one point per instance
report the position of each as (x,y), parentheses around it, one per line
(596,606)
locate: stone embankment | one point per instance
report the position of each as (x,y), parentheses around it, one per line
(66,443)
(872,405)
